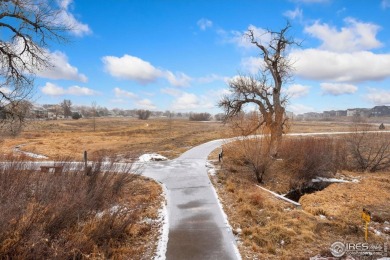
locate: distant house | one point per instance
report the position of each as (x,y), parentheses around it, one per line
(380,111)
(358,112)
(38,112)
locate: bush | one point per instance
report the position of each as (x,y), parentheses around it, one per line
(143,114)
(309,157)
(76,115)
(200,117)
(369,152)
(66,215)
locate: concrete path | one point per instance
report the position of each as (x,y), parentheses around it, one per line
(197,228)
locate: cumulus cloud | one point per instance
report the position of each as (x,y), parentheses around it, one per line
(145,104)
(133,68)
(119,93)
(378,96)
(252,64)
(293,14)
(385,4)
(355,36)
(52,89)
(189,101)
(340,67)
(66,18)
(204,24)
(60,68)
(211,78)
(299,108)
(241,40)
(337,89)
(297,91)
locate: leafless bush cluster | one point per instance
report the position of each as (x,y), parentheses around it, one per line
(310,157)
(66,215)
(253,152)
(368,151)
(143,114)
(200,117)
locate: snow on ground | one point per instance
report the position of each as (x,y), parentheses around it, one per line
(164,230)
(32,155)
(152,157)
(333,180)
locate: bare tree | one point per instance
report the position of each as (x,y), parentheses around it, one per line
(264,90)
(66,106)
(94,115)
(26,27)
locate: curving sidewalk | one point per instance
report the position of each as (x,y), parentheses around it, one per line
(197,226)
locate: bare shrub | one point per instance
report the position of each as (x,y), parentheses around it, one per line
(64,215)
(143,114)
(200,117)
(309,157)
(368,151)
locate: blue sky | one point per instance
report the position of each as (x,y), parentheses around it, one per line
(178,55)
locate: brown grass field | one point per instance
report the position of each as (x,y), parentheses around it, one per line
(126,138)
(114,137)
(269,228)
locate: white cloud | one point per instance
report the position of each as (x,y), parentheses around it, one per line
(297,91)
(241,40)
(379,96)
(337,89)
(66,18)
(356,36)
(146,104)
(340,67)
(385,4)
(5,90)
(178,80)
(119,93)
(186,101)
(171,91)
(204,24)
(60,69)
(211,78)
(55,90)
(133,68)
(293,14)
(299,108)
(252,64)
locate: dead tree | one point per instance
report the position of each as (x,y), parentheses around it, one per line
(265,89)
(26,27)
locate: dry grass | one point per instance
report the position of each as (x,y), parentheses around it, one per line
(70,215)
(269,228)
(120,137)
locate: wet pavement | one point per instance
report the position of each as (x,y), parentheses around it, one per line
(197,228)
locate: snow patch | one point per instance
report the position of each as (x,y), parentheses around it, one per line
(333,180)
(164,230)
(32,155)
(152,157)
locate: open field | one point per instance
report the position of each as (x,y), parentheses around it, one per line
(122,138)
(126,138)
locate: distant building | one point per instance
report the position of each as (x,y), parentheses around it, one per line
(358,112)
(380,111)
